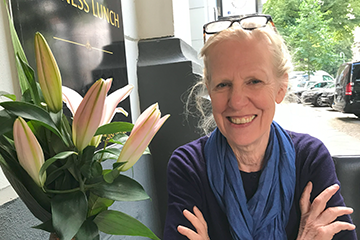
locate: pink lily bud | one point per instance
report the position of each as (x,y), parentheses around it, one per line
(48,74)
(28,150)
(145,128)
(88,115)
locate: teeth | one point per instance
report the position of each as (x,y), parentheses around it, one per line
(242,120)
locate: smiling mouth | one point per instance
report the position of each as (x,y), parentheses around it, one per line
(242,120)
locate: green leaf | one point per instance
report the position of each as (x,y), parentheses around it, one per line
(98,204)
(68,213)
(8,95)
(122,188)
(108,153)
(50,161)
(88,167)
(119,138)
(18,52)
(114,127)
(46,226)
(118,223)
(31,112)
(7,122)
(29,192)
(110,175)
(30,78)
(111,152)
(88,231)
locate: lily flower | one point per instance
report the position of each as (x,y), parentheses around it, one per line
(89,113)
(28,150)
(73,100)
(48,74)
(145,128)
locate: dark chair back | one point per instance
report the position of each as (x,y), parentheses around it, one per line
(348,172)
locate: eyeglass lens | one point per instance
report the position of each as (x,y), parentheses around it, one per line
(246,23)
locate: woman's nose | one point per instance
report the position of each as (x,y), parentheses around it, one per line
(238,98)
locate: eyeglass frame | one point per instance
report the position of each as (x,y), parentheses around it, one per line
(233,20)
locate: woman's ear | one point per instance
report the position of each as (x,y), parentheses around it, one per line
(284,80)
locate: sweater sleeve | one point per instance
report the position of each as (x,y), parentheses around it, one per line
(184,189)
(316,165)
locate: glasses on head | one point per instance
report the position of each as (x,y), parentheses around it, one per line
(248,23)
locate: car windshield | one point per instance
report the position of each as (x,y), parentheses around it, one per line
(330,85)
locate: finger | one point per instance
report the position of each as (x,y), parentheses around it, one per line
(319,203)
(204,230)
(305,198)
(331,213)
(194,220)
(199,215)
(187,232)
(330,230)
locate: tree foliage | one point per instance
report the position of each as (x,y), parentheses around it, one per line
(317,32)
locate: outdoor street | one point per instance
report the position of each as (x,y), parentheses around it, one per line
(340,132)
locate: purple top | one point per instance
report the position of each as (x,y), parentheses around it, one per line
(188,186)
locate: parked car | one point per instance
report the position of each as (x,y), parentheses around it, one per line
(313,95)
(327,97)
(299,82)
(347,88)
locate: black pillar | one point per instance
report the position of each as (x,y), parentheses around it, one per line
(167,68)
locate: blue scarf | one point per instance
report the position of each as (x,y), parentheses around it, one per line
(266,214)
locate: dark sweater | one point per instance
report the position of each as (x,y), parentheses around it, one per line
(188,186)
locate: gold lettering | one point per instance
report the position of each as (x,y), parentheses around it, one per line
(93,7)
(116,20)
(68,1)
(81,6)
(106,13)
(86,9)
(72,3)
(97,6)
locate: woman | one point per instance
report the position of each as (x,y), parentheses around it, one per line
(251,179)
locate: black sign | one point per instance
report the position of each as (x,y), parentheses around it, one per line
(86,37)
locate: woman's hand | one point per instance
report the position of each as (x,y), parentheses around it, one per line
(198,222)
(317,222)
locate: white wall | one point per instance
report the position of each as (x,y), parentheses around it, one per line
(201,12)
(181,15)
(155,18)
(8,83)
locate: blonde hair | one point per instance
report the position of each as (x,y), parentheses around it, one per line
(281,63)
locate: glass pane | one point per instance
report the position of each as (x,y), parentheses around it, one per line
(253,22)
(216,27)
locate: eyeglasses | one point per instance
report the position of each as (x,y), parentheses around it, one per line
(248,23)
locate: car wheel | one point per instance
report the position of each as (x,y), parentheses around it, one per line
(318,102)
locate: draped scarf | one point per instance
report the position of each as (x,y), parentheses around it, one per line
(266,214)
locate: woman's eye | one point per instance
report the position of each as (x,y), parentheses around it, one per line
(255,81)
(221,85)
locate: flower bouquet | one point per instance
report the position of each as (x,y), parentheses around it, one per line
(54,161)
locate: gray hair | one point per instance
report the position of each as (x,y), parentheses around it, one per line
(198,95)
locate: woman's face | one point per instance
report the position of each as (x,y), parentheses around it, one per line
(243,90)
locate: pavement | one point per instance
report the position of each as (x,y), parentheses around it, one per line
(323,124)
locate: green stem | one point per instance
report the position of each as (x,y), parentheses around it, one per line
(86,187)
(62,191)
(102,155)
